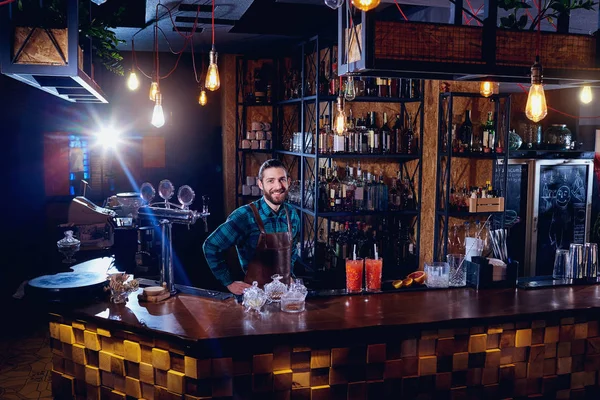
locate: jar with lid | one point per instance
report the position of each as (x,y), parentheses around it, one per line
(558,137)
(275,289)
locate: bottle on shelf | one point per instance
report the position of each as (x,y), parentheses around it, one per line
(397,132)
(386,136)
(359,190)
(334,85)
(466,133)
(394,196)
(374,135)
(408,136)
(323,80)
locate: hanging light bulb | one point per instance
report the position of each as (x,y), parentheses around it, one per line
(365,5)
(349,91)
(212,75)
(486,89)
(334,4)
(536,109)
(153,91)
(133,82)
(340,118)
(158,116)
(586,95)
(202,98)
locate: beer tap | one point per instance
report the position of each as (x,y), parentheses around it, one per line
(165,214)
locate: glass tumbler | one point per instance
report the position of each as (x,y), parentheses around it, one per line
(373,274)
(576,261)
(590,260)
(458,271)
(562,264)
(438,274)
(354,275)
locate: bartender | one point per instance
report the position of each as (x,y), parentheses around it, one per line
(265,234)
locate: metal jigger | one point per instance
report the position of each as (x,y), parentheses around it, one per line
(166,214)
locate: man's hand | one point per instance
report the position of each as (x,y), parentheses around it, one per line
(237,287)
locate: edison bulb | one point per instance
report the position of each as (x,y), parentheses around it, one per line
(334,4)
(586,95)
(212,75)
(350,92)
(133,82)
(202,98)
(340,119)
(365,5)
(153,91)
(158,116)
(536,109)
(486,89)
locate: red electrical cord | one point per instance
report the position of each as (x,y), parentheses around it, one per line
(399,9)
(2,3)
(473,11)
(476,12)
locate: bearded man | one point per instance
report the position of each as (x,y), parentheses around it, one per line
(265,234)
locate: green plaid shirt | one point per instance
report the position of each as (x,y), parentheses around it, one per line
(241,230)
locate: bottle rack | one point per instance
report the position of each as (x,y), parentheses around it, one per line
(498,178)
(302,114)
(245,156)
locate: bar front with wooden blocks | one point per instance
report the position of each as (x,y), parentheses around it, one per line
(325,199)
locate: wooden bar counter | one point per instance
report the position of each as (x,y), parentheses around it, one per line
(457,343)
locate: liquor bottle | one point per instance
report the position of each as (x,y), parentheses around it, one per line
(382,87)
(408,136)
(358,135)
(322,136)
(359,191)
(334,191)
(386,136)
(374,135)
(455,140)
(351,146)
(334,85)
(349,185)
(394,197)
(364,146)
(415,88)
(383,194)
(489,135)
(259,89)
(466,133)
(323,82)
(398,135)
(324,190)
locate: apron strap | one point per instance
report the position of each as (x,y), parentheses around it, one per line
(287,214)
(259,222)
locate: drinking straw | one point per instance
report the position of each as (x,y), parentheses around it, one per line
(354,253)
(376,255)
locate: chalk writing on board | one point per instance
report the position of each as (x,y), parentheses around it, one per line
(578,188)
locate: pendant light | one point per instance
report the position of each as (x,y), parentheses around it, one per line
(133,83)
(586,95)
(365,5)
(202,100)
(212,75)
(350,90)
(340,118)
(334,4)
(153,91)
(536,108)
(158,116)
(487,88)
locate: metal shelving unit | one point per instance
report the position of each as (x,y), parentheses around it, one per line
(303,118)
(444,165)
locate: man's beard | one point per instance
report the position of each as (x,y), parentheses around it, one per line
(280,198)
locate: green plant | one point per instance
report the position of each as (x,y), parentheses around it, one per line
(98,29)
(550,10)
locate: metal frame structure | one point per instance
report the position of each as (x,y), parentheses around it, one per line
(484,68)
(308,111)
(241,114)
(443,184)
(65,81)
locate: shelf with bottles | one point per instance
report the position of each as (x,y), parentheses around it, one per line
(394,238)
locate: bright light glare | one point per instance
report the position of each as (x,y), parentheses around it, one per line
(108,137)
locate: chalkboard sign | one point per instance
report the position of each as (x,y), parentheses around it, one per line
(516,211)
(561,211)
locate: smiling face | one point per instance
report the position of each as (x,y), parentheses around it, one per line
(275,185)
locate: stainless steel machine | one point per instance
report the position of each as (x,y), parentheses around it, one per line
(165,214)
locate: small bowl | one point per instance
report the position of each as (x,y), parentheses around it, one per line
(153,290)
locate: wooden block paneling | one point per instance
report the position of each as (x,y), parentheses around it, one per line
(512,360)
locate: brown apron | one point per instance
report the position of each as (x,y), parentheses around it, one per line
(273,254)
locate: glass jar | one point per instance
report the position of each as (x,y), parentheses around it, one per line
(275,289)
(294,300)
(254,298)
(514,140)
(68,246)
(558,137)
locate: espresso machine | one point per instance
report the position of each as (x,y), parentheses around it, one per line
(165,214)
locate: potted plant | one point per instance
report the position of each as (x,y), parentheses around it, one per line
(41,33)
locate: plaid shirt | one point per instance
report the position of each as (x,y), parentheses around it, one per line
(241,230)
